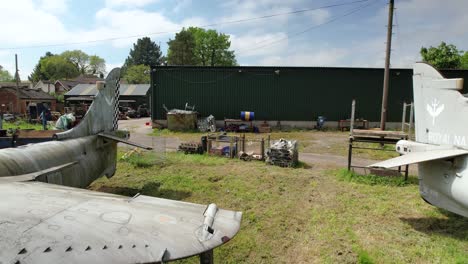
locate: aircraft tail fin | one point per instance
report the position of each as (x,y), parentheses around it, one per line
(102,115)
(440,109)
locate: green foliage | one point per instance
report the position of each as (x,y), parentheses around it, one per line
(146,52)
(38,74)
(97,65)
(464,61)
(5,76)
(79,58)
(181,49)
(197,46)
(212,48)
(57,67)
(24,124)
(60,98)
(442,57)
(68,64)
(137,74)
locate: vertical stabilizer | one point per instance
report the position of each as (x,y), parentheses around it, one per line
(102,115)
(441,111)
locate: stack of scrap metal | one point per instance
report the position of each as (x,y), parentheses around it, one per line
(207,124)
(191,148)
(283,153)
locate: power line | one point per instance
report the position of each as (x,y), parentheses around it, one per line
(175,31)
(295,34)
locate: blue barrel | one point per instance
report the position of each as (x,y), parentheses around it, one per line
(247,116)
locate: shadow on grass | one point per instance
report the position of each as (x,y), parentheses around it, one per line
(304,165)
(454,226)
(150,189)
(371,179)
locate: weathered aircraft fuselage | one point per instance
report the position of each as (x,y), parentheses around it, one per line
(94,156)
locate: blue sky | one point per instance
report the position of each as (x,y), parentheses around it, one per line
(357,40)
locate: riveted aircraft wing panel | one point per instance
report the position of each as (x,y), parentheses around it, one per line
(417,157)
(47,223)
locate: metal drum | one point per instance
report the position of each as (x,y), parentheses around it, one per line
(247,116)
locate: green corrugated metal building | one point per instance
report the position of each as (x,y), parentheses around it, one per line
(282,93)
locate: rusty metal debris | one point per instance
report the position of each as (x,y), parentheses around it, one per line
(207,124)
(190,148)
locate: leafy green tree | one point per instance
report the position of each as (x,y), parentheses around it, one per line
(197,46)
(212,48)
(57,67)
(443,57)
(37,74)
(137,74)
(79,58)
(5,76)
(464,61)
(181,49)
(97,65)
(144,52)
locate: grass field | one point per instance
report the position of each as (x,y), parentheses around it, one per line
(304,215)
(22,124)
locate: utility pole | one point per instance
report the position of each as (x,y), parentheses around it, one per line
(18,107)
(383,116)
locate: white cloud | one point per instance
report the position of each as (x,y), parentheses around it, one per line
(256,44)
(308,57)
(54,6)
(129,3)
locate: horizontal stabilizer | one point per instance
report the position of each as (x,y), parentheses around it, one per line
(417,157)
(121,140)
(32,176)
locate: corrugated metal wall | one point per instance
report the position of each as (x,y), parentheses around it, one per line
(282,93)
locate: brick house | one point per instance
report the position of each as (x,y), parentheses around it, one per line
(28,96)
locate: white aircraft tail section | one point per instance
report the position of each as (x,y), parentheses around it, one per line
(441,111)
(102,115)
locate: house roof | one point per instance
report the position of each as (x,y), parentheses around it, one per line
(82,79)
(68,85)
(87,79)
(26,93)
(125,89)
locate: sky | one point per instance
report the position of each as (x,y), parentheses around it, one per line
(351,35)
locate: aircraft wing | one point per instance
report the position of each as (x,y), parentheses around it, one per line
(46,223)
(417,157)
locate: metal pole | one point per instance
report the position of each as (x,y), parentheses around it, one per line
(18,107)
(403,118)
(206,257)
(383,116)
(351,123)
(411,120)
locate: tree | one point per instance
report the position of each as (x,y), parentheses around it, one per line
(197,46)
(144,52)
(5,76)
(79,58)
(181,49)
(137,74)
(82,64)
(97,65)
(464,61)
(57,67)
(443,57)
(37,74)
(212,48)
